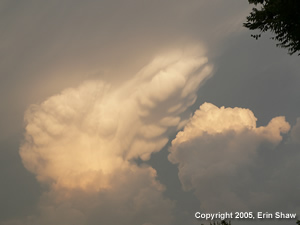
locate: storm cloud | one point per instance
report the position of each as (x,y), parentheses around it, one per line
(83,142)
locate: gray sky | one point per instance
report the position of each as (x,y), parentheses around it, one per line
(94,92)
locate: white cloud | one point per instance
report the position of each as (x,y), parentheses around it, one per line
(82,142)
(217,153)
(135,196)
(99,128)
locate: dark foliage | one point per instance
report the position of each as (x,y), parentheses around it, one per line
(282,17)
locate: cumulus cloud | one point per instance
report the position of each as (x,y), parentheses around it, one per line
(99,128)
(83,142)
(219,157)
(135,197)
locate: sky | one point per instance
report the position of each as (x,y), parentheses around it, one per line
(144,112)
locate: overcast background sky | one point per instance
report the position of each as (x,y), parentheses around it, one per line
(48,46)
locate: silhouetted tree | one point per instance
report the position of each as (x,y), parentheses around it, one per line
(282,17)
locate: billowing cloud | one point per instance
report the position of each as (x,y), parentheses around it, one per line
(81,136)
(83,142)
(47,46)
(134,197)
(219,157)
